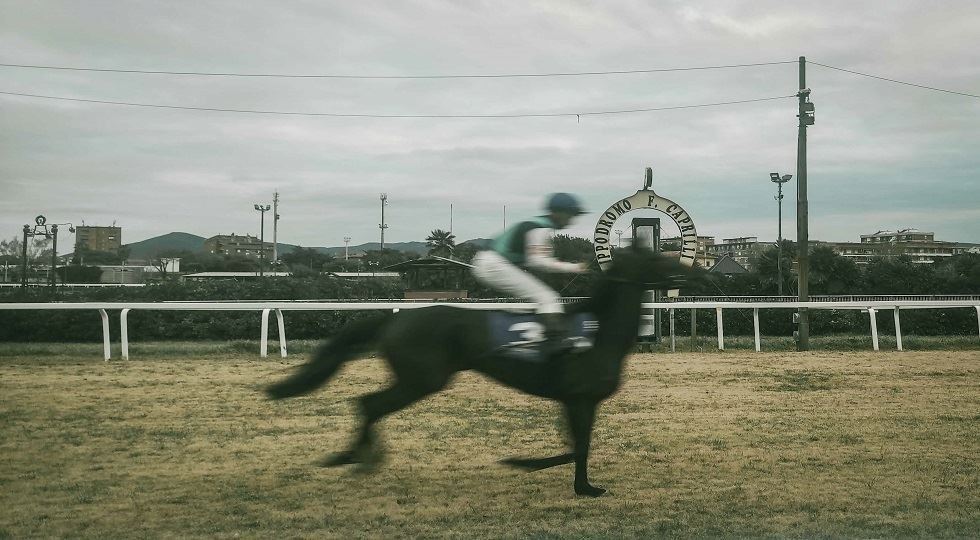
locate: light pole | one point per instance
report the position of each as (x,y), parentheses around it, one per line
(275,229)
(619,237)
(346,245)
(779,181)
(262,208)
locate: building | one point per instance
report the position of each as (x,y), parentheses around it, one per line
(237,245)
(921,247)
(728,266)
(703,258)
(744,249)
(434,278)
(92,238)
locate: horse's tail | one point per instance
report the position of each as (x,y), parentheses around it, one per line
(329,356)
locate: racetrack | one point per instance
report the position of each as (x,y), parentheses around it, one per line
(734,443)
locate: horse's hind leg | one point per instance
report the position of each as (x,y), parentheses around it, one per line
(374,407)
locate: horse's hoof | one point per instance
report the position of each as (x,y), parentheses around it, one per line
(518,463)
(589,490)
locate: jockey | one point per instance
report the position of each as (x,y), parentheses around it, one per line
(528,246)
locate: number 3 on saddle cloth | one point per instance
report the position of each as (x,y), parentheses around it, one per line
(520,335)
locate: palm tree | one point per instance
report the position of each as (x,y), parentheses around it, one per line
(441,242)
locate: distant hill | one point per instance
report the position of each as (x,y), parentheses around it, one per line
(479,243)
(181,241)
(176,241)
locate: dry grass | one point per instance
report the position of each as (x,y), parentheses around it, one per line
(723,444)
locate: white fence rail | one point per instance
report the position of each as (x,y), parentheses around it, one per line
(267,307)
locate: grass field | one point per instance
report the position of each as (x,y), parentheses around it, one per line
(829,444)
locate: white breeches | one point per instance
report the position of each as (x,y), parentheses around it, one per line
(493,270)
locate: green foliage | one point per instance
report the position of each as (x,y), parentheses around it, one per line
(79,274)
(86,256)
(573,249)
(441,243)
(305,259)
(465,252)
(82,326)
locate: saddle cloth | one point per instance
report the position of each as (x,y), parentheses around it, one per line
(521,334)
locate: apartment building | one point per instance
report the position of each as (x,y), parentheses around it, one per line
(237,245)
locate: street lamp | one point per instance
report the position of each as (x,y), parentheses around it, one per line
(619,237)
(346,245)
(779,181)
(262,209)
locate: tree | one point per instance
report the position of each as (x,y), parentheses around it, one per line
(766,267)
(831,273)
(308,258)
(12,254)
(898,275)
(163,260)
(465,252)
(84,255)
(441,243)
(573,249)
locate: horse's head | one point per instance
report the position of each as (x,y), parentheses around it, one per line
(649,269)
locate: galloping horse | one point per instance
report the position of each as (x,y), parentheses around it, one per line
(426,346)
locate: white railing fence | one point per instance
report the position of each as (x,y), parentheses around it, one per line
(267,307)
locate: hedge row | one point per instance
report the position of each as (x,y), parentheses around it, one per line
(84,326)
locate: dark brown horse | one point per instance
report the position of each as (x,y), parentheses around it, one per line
(425,347)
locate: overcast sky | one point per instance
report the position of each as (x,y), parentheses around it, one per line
(881,155)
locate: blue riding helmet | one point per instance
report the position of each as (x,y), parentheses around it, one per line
(564,202)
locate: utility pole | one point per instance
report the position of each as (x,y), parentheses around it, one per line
(450,218)
(54,255)
(505,217)
(346,244)
(383,225)
(806,116)
(262,209)
(275,228)
(23,275)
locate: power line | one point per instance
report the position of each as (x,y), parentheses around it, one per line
(328,76)
(894,80)
(362,115)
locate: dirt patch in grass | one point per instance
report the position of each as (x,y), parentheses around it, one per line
(737,444)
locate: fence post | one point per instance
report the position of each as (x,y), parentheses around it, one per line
(105,334)
(898,330)
(282,333)
(874,328)
(721,329)
(755,321)
(264,340)
(673,341)
(124,332)
(694,329)
(978,319)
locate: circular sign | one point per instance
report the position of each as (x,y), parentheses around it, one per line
(644,199)
(40,220)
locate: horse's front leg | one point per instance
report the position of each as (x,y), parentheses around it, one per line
(581,417)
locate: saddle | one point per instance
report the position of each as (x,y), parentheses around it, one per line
(522,335)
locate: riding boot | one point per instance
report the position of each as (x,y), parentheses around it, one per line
(555,333)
